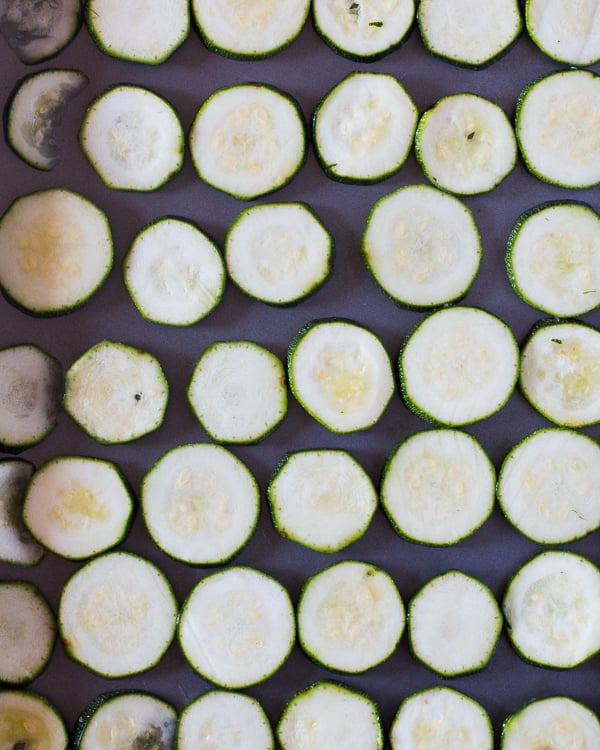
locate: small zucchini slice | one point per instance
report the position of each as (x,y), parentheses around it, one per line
(330,714)
(350,616)
(126,718)
(31,387)
(458,365)
(133,138)
(238,391)
(236,627)
(78,506)
(422,246)
(560,372)
(229,719)
(340,373)
(547,486)
(17,546)
(467,32)
(556,128)
(440,717)
(251,31)
(174,272)
(57,251)
(321,499)
(116,392)
(200,503)
(454,623)
(117,614)
(278,253)
(363,128)
(29,720)
(363,31)
(465,144)
(438,487)
(147,31)
(34,113)
(564,32)
(28,633)
(552,609)
(248,140)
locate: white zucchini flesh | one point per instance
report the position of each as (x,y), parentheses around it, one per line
(350,616)
(454,624)
(560,373)
(556,128)
(558,722)
(341,374)
(438,486)
(278,253)
(552,609)
(459,365)
(57,250)
(78,506)
(238,391)
(547,486)
(17,546)
(441,717)
(329,714)
(133,138)
(248,140)
(174,272)
(117,614)
(563,31)
(237,627)
(200,503)
(116,392)
(30,720)
(322,499)
(422,246)
(465,144)
(223,719)
(364,126)
(27,632)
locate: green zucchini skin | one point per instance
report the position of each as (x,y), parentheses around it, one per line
(29,719)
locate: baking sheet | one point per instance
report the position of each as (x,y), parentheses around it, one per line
(307,70)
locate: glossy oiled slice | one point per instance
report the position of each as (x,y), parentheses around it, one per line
(565,31)
(28,719)
(17,546)
(37,31)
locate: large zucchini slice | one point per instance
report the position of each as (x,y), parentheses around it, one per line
(565,32)
(17,546)
(29,720)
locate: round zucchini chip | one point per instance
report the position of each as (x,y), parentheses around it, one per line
(565,32)
(17,546)
(28,719)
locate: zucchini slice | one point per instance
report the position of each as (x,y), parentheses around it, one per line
(174,272)
(145,31)
(200,503)
(547,486)
(28,632)
(31,387)
(341,374)
(238,391)
(57,251)
(27,719)
(350,616)
(556,128)
(224,719)
(278,253)
(441,717)
(363,128)
(459,365)
(248,140)
(363,31)
(465,144)
(565,32)
(116,392)
(438,487)
(330,714)
(117,615)
(236,627)
(249,31)
(422,246)
(552,609)
(468,32)
(454,623)
(78,506)
(133,138)
(17,546)
(560,372)
(126,719)
(34,113)
(322,499)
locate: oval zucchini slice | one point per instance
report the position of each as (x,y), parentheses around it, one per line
(27,719)
(564,32)
(17,546)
